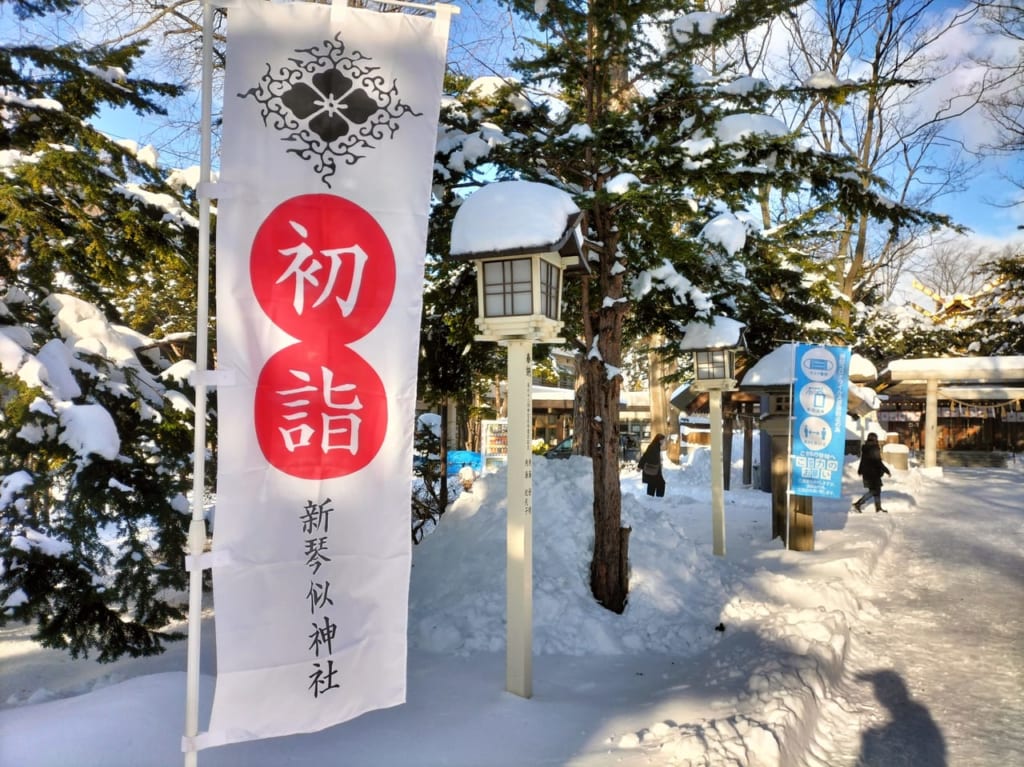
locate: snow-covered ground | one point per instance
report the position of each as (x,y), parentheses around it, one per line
(897,641)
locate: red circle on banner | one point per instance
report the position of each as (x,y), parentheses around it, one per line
(322,266)
(320,411)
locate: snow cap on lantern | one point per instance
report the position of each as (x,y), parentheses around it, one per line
(522,236)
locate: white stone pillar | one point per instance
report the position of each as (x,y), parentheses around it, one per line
(931,423)
(519,523)
(717,479)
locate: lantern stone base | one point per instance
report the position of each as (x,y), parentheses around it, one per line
(532,327)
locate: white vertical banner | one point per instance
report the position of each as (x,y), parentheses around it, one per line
(330,122)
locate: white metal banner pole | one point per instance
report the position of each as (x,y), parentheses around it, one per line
(197,527)
(789,444)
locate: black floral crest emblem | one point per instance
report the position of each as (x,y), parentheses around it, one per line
(333,105)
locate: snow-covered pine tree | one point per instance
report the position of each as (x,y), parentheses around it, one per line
(95,446)
(998,316)
(886,332)
(987,320)
(96,456)
(680,173)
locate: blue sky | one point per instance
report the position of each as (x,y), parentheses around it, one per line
(984,205)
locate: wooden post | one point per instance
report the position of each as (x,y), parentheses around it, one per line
(795,510)
(780,486)
(727,415)
(748,443)
(801,523)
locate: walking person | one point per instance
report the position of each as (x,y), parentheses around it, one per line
(871,470)
(650,467)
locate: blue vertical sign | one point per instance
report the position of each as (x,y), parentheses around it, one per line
(820,382)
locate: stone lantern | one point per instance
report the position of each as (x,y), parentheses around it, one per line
(714,349)
(522,237)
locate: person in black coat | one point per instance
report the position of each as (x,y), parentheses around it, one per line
(650,467)
(871,469)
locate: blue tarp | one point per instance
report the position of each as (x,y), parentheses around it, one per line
(456,458)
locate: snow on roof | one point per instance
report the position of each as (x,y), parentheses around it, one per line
(511,215)
(981,392)
(683,387)
(558,394)
(959,369)
(553,393)
(867,399)
(862,369)
(723,332)
(773,369)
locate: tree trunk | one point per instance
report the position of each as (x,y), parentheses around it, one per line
(656,371)
(443,455)
(580,422)
(580,430)
(748,443)
(606,87)
(609,567)
(500,402)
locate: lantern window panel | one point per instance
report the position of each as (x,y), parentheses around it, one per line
(550,293)
(508,288)
(712,365)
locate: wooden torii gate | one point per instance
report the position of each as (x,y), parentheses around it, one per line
(959,378)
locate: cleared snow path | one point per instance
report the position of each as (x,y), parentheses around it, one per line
(935,678)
